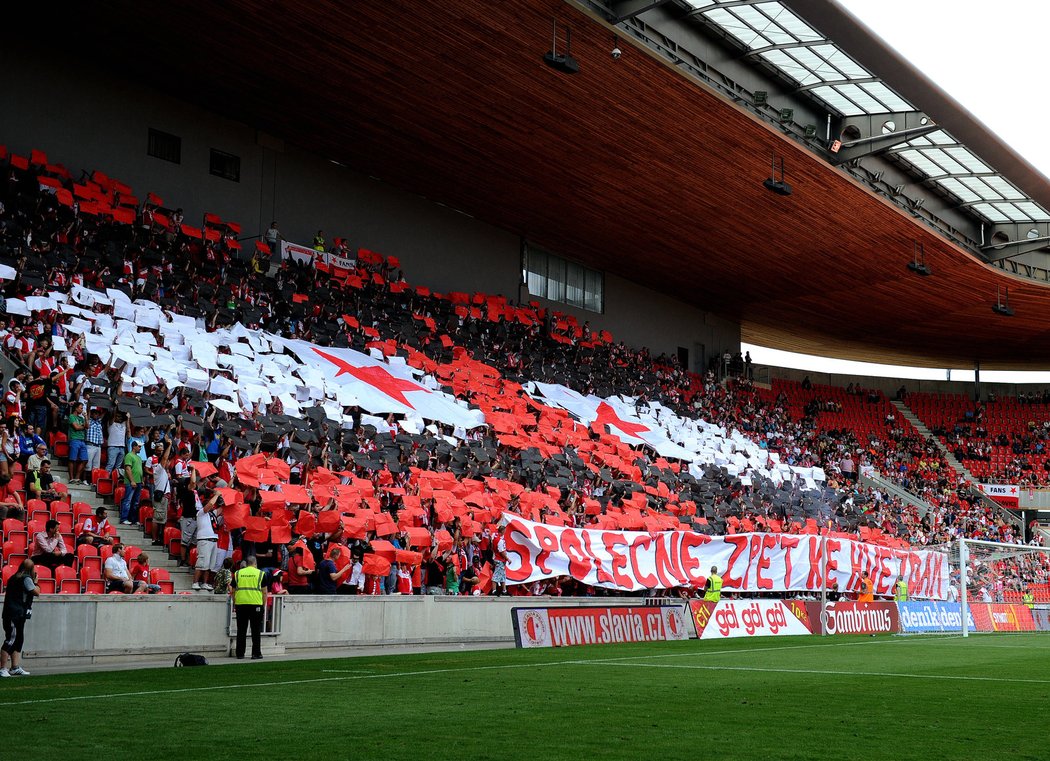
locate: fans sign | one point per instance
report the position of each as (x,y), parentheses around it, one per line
(632,560)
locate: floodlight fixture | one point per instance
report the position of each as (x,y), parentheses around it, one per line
(1002,304)
(918,260)
(563,62)
(780,187)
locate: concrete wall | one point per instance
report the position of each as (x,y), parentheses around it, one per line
(91,119)
(70,629)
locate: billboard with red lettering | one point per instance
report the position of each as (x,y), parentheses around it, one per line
(562,627)
(855,617)
(1002,617)
(756,562)
(749,618)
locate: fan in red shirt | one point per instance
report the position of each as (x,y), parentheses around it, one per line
(140,572)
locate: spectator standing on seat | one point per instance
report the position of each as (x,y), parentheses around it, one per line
(18,608)
(129,505)
(207,539)
(158,467)
(249,602)
(116,441)
(272,238)
(49,548)
(78,454)
(93,440)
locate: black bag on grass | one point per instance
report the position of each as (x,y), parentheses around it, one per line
(191,659)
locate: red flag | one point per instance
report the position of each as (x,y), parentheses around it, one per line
(374,565)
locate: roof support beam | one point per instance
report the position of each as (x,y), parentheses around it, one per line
(868,134)
(755,52)
(1010,240)
(628,10)
(833,82)
(737,3)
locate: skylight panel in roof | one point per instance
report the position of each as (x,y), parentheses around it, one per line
(990,212)
(918,160)
(967,159)
(790,67)
(951,166)
(1033,210)
(733,26)
(886,95)
(769,31)
(1012,212)
(814,64)
(850,69)
(837,101)
(1002,187)
(791,23)
(981,188)
(959,190)
(700,3)
(862,99)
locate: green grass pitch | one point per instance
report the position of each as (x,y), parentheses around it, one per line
(784,698)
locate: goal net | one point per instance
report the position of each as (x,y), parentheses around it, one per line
(994,587)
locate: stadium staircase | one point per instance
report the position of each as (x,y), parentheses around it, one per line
(952,460)
(131,536)
(891,489)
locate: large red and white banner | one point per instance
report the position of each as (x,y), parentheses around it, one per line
(855,617)
(1007,495)
(294,251)
(561,627)
(749,618)
(380,387)
(634,560)
(1002,617)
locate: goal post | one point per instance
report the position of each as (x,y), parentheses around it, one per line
(999,587)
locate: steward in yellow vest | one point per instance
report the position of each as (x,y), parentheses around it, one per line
(713,588)
(900,590)
(249,603)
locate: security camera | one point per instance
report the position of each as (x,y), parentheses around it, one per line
(616,53)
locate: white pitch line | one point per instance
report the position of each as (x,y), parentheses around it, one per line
(281,684)
(948,677)
(464,669)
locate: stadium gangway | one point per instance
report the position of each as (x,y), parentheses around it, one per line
(893,490)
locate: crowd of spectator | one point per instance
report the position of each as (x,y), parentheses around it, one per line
(54,235)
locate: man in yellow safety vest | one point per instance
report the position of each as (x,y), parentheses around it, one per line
(1028,599)
(249,602)
(900,590)
(713,587)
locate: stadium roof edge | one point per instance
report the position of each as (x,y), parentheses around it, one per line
(871,51)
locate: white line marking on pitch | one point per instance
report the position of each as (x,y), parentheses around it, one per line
(949,677)
(464,669)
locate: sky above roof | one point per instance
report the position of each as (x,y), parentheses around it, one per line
(990,58)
